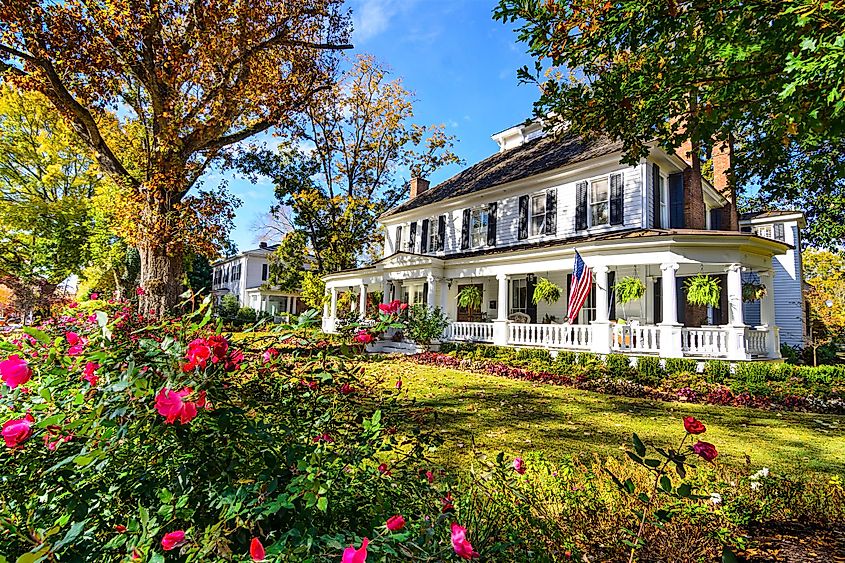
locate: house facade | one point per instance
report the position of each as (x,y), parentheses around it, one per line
(245,276)
(520,215)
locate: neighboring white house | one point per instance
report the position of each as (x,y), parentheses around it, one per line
(520,214)
(245,276)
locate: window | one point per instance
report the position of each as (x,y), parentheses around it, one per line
(413,293)
(765,232)
(478,227)
(432,244)
(398,245)
(519,296)
(599,202)
(265,270)
(663,205)
(538,214)
(236,273)
(587,314)
(226,275)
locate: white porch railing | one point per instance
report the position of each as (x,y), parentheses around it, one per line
(708,342)
(576,337)
(755,341)
(642,339)
(474,332)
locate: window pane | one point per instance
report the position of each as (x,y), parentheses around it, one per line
(599,214)
(538,204)
(538,224)
(599,190)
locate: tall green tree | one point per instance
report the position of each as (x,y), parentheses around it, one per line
(46,186)
(347,161)
(767,75)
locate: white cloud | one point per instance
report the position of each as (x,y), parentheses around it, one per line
(372,17)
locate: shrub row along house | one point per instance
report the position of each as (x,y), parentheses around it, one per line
(514,220)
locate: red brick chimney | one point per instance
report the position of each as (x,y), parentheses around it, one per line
(724,183)
(418,186)
(695,212)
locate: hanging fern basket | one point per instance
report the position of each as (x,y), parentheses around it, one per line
(628,289)
(703,290)
(753,292)
(470,297)
(546,291)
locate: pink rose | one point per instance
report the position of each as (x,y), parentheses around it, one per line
(395,523)
(17,430)
(519,466)
(95,296)
(706,450)
(460,543)
(268,355)
(363,337)
(89,375)
(172,540)
(352,555)
(198,354)
(171,405)
(398,384)
(140,291)
(15,371)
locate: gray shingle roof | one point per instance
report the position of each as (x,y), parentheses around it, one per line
(532,158)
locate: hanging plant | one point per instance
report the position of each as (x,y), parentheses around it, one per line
(546,291)
(753,291)
(628,289)
(703,290)
(470,297)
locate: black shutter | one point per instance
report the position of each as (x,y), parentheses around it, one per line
(441,232)
(657,221)
(491,224)
(715,219)
(465,230)
(658,301)
(778,232)
(523,217)
(681,300)
(530,306)
(611,295)
(676,201)
(551,211)
(581,206)
(617,200)
(398,247)
(424,236)
(412,238)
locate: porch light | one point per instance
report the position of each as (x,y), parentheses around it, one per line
(530,278)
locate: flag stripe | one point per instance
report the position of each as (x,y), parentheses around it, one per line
(582,283)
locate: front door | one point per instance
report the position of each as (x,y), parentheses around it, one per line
(470,314)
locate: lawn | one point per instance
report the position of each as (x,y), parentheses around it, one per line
(498,414)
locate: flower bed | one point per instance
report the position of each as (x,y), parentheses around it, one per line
(757,385)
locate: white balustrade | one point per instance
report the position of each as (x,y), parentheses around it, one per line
(755,341)
(636,338)
(576,337)
(706,342)
(468,331)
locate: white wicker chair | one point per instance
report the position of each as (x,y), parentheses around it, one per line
(519,317)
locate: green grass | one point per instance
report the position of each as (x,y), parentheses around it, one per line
(495,414)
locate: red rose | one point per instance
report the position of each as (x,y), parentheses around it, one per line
(172,540)
(17,430)
(256,550)
(395,523)
(706,450)
(693,425)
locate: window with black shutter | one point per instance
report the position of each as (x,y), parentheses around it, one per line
(265,270)
(398,243)
(617,200)
(551,211)
(779,232)
(441,232)
(465,229)
(656,197)
(523,217)
(491,224)
(424,237)
(581,206)
(658,301)
(412,237)
(676,201)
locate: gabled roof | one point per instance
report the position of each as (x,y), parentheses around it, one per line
(534,157)
(769,214)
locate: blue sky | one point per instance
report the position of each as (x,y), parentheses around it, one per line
(460,64)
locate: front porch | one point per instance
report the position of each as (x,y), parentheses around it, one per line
(659,323)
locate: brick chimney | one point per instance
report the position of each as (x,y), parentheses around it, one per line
(695,212)
(724,183)
(418,186)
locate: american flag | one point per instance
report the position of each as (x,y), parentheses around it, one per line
(582,283)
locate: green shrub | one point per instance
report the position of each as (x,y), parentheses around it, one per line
(717,371)
(588,359)
(566,358)
(754,378)
(676,365)
(649,371)
(828,375)
(425,324)
(534,354)
(686,380)
(791,354)
(619,366)
(229,306)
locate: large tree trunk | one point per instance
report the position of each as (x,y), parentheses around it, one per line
(161,277)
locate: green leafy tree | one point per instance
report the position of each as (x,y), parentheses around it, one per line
(765,77)
(363,142)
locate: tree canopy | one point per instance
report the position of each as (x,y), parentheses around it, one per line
(766,74)
(189,78)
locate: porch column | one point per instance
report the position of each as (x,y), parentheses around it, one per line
(432,288)
(333,310)
(767,316)
(444,296)
(326,311)
(601,326)
(500,325)
(736,324)
(362,300)
(352,304)
(670,328)
(385,292)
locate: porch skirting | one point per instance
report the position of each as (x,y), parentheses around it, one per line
(717,342)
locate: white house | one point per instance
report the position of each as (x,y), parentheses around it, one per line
(245,276)
(521,213)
